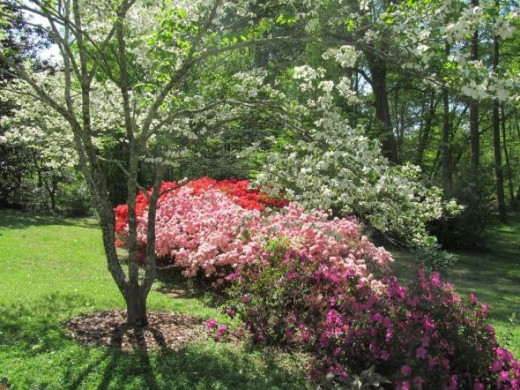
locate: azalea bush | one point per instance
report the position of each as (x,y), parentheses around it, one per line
(305,255)
(420,336)
(201,226)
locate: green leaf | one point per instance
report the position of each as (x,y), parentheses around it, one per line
(181,12)
(350,24)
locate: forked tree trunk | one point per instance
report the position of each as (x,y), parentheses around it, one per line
(136,307)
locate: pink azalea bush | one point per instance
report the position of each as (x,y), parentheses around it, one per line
(201,232)
(202,228)
(238,191)
(199,226)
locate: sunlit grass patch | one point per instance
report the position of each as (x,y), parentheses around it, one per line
(54,269)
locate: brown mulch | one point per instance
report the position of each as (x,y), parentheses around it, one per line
(164,331)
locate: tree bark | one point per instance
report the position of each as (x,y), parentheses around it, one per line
(499,174)
(426,130)
(508,162)
(136,306)
(447,173)
(474,129)
(378,72)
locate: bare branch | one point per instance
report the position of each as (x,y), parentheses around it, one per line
(124,170)
(40,92)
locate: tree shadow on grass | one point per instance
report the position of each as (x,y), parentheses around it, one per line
(33,333)
(35,327)
(16,219)
(194,367)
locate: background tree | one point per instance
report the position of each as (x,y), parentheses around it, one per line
(14,159)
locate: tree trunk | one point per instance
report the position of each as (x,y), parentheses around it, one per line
(378,73)
(499,173)
(474,129)
(447,173)
(496,139)
(52,195)
(508,163)
(136,306)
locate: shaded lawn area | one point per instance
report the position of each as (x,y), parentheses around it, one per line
(53,269)
(493,275)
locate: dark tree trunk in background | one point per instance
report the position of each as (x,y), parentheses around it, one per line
(499,174)
(447,173)
(474,129)
(508,162)
(378,72)
(426,130)
(446,138)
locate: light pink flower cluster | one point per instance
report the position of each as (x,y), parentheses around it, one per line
(200,231)
(208,231)
(331,243)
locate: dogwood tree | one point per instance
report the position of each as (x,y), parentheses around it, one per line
(127,72)
(328,163)
(42,135)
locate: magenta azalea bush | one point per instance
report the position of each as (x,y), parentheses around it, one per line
(421,336)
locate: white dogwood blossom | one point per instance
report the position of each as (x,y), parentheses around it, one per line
(333,165)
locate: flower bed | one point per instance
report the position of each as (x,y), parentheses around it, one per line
(201,226)
(305,279)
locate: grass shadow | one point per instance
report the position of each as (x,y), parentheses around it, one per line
(492,273)
(194,367)
(35,327)
(16,219)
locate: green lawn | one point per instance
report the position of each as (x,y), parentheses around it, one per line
(53,269)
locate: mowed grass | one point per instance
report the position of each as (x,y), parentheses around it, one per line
(492,274)
(52,269)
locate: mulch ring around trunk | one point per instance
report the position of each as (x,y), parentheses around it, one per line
(164,331)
